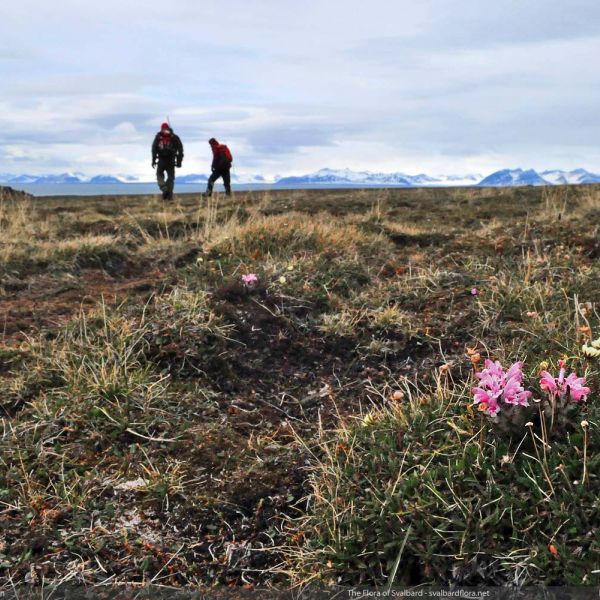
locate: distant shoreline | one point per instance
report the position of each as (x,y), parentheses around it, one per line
(130,189)
(45,190)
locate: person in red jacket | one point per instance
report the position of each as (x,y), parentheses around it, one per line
(167,150)
(221,166)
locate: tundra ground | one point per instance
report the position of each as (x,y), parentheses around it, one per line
(165,422)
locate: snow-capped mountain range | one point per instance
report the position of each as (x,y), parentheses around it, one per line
(515,177)
(11,179)
(65,178)
(349,177)
(505,177)
(343,177)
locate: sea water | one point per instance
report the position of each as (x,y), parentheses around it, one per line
(125,189)
(119,189)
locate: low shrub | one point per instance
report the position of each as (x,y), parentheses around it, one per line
(473,507)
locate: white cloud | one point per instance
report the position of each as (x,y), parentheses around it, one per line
(293,86)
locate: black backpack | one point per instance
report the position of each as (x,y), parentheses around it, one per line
(165,145)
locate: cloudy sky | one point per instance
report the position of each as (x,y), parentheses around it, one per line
(435,86)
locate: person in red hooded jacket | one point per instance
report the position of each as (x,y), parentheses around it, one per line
(167,150)
(221,166)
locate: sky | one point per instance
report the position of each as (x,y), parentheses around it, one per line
(291,86)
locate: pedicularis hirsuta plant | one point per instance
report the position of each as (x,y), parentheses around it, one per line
(502,398)
(566,389)
(498,387)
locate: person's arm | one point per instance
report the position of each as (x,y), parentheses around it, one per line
(154,150)
(179,148)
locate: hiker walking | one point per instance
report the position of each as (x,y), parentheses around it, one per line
(167,150)
(221,166)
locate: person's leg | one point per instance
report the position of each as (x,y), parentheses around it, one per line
(160,177)
(227,181)
(211,182)
(170,181)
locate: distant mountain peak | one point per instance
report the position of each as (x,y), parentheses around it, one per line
(576,176)
(513,177)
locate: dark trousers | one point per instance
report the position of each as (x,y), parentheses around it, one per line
(166,167)
(225,174)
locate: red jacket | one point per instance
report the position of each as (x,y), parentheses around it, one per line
(221,157)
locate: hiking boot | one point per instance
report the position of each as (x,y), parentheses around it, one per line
(165,194)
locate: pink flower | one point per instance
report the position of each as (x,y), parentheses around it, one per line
(575,385)
(560,386)
(480,395)
(497,387)
(516,371)
(548,383)
(515,394)
(249,279)
(474,291)
(493,408)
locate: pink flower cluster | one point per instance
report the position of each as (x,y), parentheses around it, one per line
(572,386)
(497,387)
(249,279)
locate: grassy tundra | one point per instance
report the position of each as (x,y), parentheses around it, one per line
(165,422)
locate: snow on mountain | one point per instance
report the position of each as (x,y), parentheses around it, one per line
(344,177)
(21,179)
(349,177)
(469,179)
(64,178)
(555,177)
(513,177)
(510,177)
(583,176)
(191,178)
(235,177)
(128,178)
(60,178)
(104,179)
(113,179)
(446,180)
(578,176)
(387,179)
(244,178)
(423,179)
